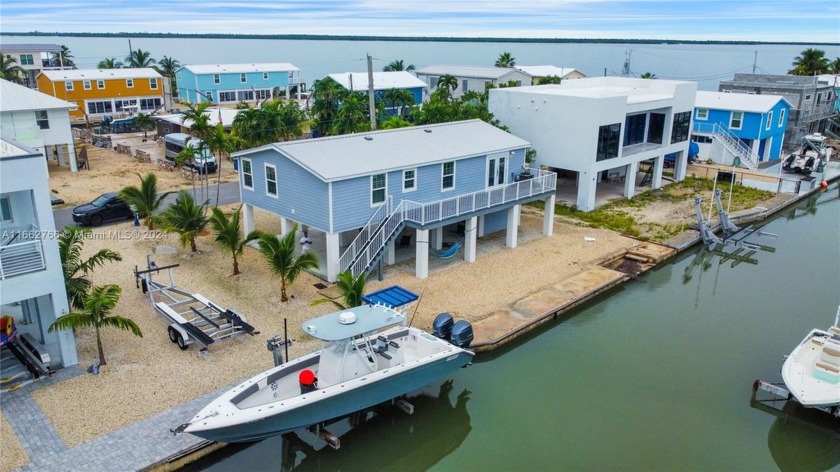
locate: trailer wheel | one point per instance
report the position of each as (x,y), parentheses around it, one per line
(173,335)
(181,343)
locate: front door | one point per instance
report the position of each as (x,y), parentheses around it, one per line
(496,168)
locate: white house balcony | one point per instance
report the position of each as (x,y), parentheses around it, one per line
(19,258)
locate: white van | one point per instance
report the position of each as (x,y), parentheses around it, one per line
(176,142)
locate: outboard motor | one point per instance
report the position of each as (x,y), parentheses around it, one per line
(462,334)
(442,326)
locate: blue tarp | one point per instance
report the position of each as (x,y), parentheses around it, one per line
(394,296)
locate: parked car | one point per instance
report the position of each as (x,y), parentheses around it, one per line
(105,207)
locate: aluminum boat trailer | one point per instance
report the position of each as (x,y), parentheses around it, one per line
(194,318)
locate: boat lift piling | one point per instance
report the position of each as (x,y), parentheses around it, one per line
(733,235)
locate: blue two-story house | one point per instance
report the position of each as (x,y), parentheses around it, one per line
(739,125)
(363,195)
(232,83)
(382,82)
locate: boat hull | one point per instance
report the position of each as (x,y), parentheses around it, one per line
(805,382)
(358,397)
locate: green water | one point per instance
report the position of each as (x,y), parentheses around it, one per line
(655,376)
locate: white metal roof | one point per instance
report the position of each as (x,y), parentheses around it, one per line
(737,101)
(101,74)
(227,115)
(240,68)
(381,80)
(546,70)
(14,97)
(469,71)
(352,155)
(28,47)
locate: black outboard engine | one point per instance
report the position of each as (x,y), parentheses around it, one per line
(462,334)
(442,326)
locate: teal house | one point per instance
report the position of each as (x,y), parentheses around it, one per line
(233,83)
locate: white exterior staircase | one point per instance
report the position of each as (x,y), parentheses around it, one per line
(731,142)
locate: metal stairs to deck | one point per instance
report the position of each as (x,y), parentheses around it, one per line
(735,146)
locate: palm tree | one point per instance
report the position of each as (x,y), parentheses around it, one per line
(395,122)
(144,122)
(352,116)
(398,98)
(110,63)
(219,143)
(201,129)
(139,58)
(648,75)
(505,60)
(327,95)
(550,79)
(144,199)
(280,254)
(810,62)
(10,69)
(63,58)
(167,67)
(397,65)
(447,84)
(77,270)
(352,290)
(96,313)
(228,234)
(834,67)
(186,218)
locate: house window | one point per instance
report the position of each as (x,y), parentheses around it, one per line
(129,83)
(153,84)
(702,113)
(243,78)
(808,97)
(216,79)
(100,84)
(270,180)
(409,180)
(433,82)
(634,129)
(104,106)
(86,84)
(769,121)
(68,85)
(263,94)
(782,117)
(819,98)
(448,180)
(6,210)
(26,60)
(227,96)
(245,95)
(736,120)
(487,84)
(265,75)
(465,85)
(377,188)
(42,120)
(150,103)
(247,175)
(656,128)
(608,136)
(682,123)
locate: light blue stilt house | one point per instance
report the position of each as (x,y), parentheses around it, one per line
(361,196)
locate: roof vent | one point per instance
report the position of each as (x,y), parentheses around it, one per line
(427,130)
(369,138)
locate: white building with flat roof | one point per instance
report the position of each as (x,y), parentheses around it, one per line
(601,128)
(31,278)
(473,78)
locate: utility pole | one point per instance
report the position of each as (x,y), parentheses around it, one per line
(755,59)
(129,52)
(371,94)
(625,72)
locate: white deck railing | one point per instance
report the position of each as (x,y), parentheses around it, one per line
(21,258)
(730,141)
(378,231)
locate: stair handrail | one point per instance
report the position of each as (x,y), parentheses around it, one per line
(380,214)
(732,142)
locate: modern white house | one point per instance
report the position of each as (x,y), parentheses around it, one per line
(38,121)
(600,129)
(475,78)
(362,196)
(539,72)
(31,279)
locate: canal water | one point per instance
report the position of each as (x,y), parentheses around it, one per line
(655,376)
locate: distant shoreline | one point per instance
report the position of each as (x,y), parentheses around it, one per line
(323,37)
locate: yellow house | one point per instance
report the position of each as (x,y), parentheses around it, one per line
(99,92)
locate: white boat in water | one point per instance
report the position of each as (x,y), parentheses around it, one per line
(812,371)
(369,357)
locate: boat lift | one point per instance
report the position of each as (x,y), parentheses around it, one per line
(195,319)
(732,235)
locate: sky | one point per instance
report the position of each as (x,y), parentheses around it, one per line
(805,21)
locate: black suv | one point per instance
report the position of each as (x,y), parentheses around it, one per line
(107,206)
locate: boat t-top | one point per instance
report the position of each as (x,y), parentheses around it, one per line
(812,371)
(370,356)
